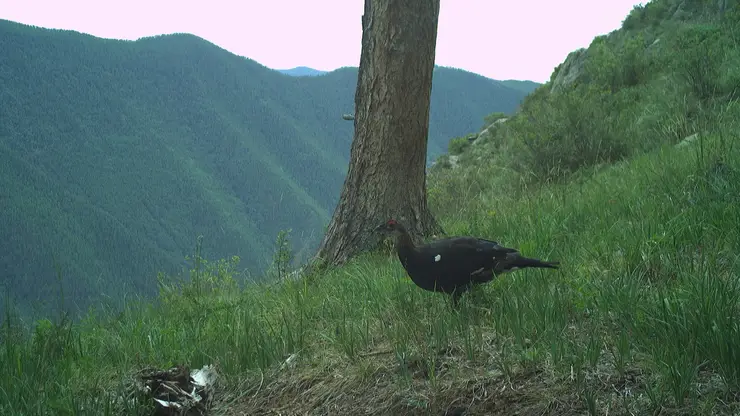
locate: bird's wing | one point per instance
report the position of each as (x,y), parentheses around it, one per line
(468,246)
(478,253)
(492,247)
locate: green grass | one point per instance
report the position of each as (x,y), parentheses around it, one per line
(642,317)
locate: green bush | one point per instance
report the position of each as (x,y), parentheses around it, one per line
(617,64)
(636,19)
(443,161)
(702,65)
(458,145)
(635,93)
(493,117)
(581,126)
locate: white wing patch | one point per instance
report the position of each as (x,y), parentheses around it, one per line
(438,257)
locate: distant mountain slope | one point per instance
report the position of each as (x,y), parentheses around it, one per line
(116,155)
(460,100)
(302,71)
(524,86)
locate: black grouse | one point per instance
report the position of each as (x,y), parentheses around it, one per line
(453,265)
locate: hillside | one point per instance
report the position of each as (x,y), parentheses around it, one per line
(625,167)
(526,87)
(649,286)
(668,73)
(302,71)
(116,155)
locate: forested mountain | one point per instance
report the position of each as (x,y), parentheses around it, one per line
(116,155)
(302,71)
(523,86)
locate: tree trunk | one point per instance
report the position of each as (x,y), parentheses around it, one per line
(387,170)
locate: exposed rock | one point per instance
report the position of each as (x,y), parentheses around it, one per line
(489,129)
(570,70)
(482,134)
(453,159)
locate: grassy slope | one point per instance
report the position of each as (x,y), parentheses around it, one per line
(113,151)
(642,315)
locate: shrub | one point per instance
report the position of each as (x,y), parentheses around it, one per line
(699,65)
(493,117)
(617,65)
(579,127)
(443,161)
(636,18)
(458,145)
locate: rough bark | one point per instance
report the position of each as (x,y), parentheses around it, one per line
(387,170)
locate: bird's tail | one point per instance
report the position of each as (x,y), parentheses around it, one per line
(516,262)
(522,262)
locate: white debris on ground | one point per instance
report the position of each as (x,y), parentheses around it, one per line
(178,391)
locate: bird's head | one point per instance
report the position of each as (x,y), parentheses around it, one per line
(390,227)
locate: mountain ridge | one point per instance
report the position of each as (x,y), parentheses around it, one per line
(119,150)
(302,71)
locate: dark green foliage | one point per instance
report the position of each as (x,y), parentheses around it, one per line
(443,161)
(655,15)
(458,144)
(660,80)
(562,133)
(617,67)
(494,117)
(635,19)
(709,65)
(116,155)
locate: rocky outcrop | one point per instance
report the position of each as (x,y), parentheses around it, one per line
(489,130)
(570,70)
(452,160)
(449,161)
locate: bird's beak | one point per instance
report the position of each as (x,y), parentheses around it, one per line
(380,228)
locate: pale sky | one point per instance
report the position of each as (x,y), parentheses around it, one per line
(509,39)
